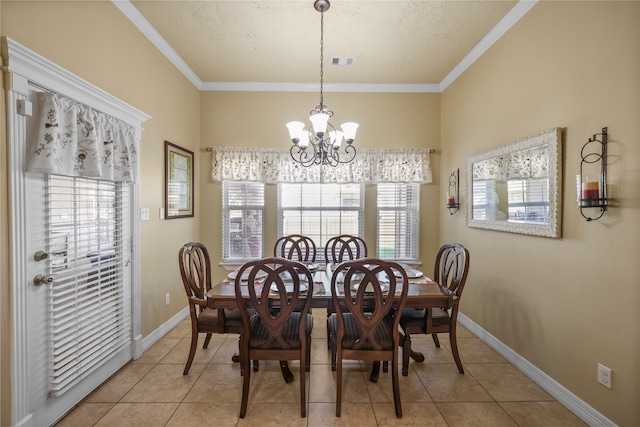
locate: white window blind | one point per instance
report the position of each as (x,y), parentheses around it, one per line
(398,206)
(320,211)
(243,213)
(89,244)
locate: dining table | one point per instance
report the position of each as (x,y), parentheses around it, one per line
(422,293)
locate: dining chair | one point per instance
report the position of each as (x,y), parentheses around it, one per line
(365,293)
(338,249)
(195,269)
(299,248)
(280,326)
(450,270)
(296,247)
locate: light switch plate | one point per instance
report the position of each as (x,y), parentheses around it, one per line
(144,214)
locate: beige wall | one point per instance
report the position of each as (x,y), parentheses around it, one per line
(563,304)
(95,41)
(258,119)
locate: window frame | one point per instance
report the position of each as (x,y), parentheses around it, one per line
(321,237)
(241,233)
(411,225)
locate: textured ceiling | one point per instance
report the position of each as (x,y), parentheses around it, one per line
(393,42)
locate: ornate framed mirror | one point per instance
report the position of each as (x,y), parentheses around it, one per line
(517,187)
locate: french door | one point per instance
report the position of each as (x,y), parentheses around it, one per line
(80,251)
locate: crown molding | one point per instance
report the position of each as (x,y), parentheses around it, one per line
(129,10)
(513,16)
(508,21)
(313,87)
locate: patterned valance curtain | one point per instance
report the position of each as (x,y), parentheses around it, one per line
(72,139)
(270,165)
(531,163)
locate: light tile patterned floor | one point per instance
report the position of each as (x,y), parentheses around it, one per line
(152,391)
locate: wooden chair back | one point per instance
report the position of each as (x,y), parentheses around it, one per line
(295,247)
(195,269)
(345,247)
(369,295)
(451,268)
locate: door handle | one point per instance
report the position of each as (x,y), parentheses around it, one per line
(40,256)
(41,279)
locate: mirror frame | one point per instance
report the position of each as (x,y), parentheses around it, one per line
(551,137)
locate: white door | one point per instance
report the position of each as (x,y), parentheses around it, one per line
(79,256)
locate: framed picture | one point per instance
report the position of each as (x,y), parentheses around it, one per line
(178,186)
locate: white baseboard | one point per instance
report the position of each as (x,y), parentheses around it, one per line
(572,402)
(154,336)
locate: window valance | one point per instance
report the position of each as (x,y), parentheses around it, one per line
(73,139)
(530,163)
(271,165)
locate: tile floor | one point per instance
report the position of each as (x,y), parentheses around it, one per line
(152,391)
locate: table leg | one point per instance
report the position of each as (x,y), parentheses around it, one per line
(286,372)
(375,371)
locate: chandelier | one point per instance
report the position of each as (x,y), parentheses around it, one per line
(321,143)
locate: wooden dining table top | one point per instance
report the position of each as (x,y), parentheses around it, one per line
(422,292)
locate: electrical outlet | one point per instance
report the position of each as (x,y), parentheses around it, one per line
(167,299)
(144,214)
(604,375)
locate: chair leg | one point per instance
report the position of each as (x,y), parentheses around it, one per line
(308,356)
(192,352)
(333,355)
(406,352)
(338,369)
(396,385)
(207,340)
(385,366)
(246,378)
(436,341)
(328,329)
(454,349)
(304,366)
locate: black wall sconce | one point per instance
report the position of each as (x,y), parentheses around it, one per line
(592,181)
(453,195)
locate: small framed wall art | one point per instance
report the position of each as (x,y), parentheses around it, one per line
(178,199)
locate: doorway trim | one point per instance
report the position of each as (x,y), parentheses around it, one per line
(25,68)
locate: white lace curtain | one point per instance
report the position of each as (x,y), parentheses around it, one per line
(72,139)
(270,165)
(531,163)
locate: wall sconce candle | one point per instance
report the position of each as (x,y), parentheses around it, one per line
(453,195)
(592,181)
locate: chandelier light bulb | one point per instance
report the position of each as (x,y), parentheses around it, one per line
(295,128)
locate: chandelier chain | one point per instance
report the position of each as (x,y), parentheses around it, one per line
(321,56)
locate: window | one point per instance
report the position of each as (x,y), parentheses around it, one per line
(529,200)
(242,219)
(398,221)
(320,211)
